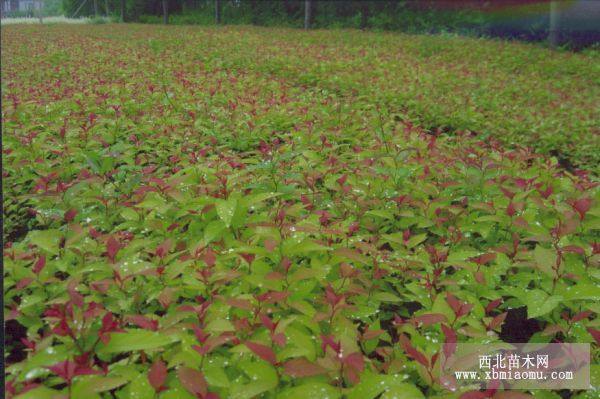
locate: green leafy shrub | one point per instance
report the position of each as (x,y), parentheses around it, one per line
(243,213)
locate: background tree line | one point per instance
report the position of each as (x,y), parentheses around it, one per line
(531,20)
(288,12)
(383,14)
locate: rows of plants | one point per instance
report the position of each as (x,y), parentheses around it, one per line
(517,93)
(514,92)
(189,213)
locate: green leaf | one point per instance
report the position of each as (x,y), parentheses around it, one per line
(226,210)
(256,198)
(176,393)
(90,384)
(579,292)
(215,375)
(386,297)
(371,385)
(220,325)
(213,230)
(135,340)
(263,378)
(154,201)
(130,214)
(539,303)
(291,247)
(405,391)
(545,259)
(380,213)
(41,392)
(311,390)
(48,240)
(36,364)
(302,341)
(416,240)
(139,388)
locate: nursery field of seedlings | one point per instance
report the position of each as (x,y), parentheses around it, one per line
(269,213)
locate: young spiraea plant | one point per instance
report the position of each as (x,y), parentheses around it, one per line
(210,214)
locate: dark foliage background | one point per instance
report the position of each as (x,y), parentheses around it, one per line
(516,19)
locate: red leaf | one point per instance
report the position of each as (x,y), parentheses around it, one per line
(109,325)
(352,376)
(209,257)
(157,375)
(143,322)
(372,334)
(272,296)
(286,264)
(112,247)
(331,297)
(24,282)
(474,395)
(346,270)
(459,308)
(163,249)
(449,333)
(465,308)
(28,343)
(355,365)
(595,334)
(76,297)
(353,228)
(101,286)
(497,321)
(70,215)
(428,319)
(39,264)
(485,258)
(301,367)
(95,234)
(511,395)
(214,342)
(249,258)
(270,244)
(451,340)
(479,277)
(240,303)
(521,222)
(574,249)
(67,370)
(507,193)
(582,315)
(193,381)
(279,339)
(62,328)
(276,276)
(510,210)
(200,334)
(582,206)
(267,322)
(328,340)
(546,193)
(453,302)
(262,351)
(84,370)
(93,310)
(493,305)
(64,369)
(412,351)
(356,361)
